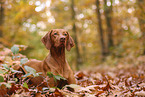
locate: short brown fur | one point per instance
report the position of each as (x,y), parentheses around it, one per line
(56,41)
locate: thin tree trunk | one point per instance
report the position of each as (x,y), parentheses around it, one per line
(1,17)
(141,6)
(100,29)
(108,13)
(78,56)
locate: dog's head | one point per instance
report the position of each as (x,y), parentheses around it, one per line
(58,38)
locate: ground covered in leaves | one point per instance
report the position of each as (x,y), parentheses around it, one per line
(123,79)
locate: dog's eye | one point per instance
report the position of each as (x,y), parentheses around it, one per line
(55,33)
(65,34)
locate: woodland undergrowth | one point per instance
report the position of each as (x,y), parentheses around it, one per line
(124,79)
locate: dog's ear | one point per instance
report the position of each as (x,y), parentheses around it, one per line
(46,40)
(70,42)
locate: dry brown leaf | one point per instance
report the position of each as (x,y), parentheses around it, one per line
(140,93)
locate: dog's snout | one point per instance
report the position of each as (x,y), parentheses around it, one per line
(62,39)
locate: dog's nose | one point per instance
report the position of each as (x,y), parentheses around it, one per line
(62,39)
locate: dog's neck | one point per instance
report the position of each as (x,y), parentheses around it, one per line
(58,53)
(56,60)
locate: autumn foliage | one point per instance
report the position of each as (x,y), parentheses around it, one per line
(103,80)
(109,47)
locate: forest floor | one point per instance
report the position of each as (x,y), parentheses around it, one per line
(124,79)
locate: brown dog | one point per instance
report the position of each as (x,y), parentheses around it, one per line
(56,41)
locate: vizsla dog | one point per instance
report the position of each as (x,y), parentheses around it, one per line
(56,41)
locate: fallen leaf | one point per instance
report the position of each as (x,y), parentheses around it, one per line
(140,93)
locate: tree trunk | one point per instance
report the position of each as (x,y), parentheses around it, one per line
(1,17)
(108,12)
(141,15)
(74,29)
(100,29)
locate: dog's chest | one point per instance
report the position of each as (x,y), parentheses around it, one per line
(57,68)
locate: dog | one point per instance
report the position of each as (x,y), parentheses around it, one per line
(56,40)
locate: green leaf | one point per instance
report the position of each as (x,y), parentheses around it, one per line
(15,50)
(39,72)
(54,79)
(58,77)
(1,79)
(15,71)
(25,85)
(52,89)
(49,74)
(2,72)
(6,66)
(15,79)
(30,69)
(24,60)
(35,74)
(8,85)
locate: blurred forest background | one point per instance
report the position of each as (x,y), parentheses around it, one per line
(104,31)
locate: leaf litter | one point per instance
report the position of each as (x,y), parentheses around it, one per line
(103,80)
